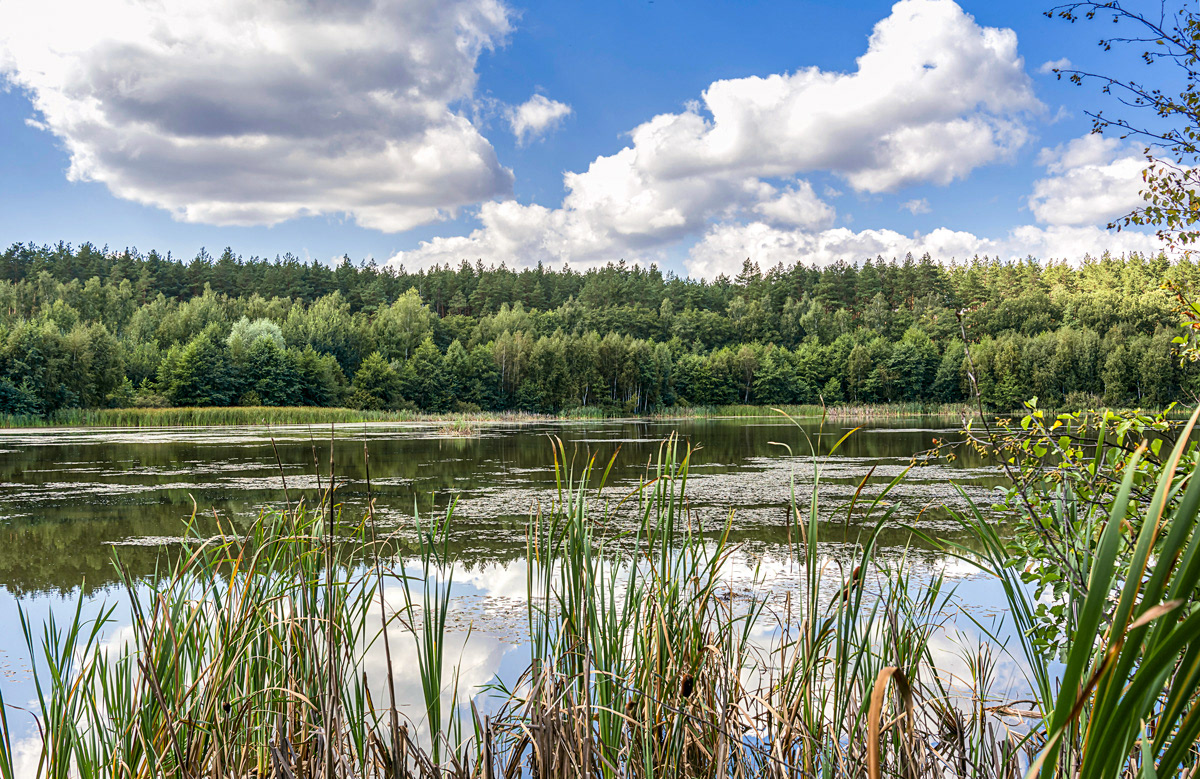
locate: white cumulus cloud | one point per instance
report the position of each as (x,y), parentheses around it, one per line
(797,205)
(906,114)
(916,206)
(1053,65)
(725,246)
(714,254)
(1093,179)
(229,112)
(536,117)
(1090,180)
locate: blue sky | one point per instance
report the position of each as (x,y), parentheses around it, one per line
(389,129)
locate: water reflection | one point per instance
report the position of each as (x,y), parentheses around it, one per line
(69,499)
(67,495)
(486,639)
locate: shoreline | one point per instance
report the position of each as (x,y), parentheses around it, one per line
(244,416)
(267,416)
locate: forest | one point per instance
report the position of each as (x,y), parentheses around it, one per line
(88,327)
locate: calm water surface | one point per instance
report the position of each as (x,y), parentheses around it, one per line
(69,499)
(68,496)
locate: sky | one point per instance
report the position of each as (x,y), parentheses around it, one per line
(689,134)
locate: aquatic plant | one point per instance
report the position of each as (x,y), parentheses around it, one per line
(657,667)
(814,411)
(241,416)
(458,427)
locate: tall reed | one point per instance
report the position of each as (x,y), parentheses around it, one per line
(206,416)
(814,411)
(646,660)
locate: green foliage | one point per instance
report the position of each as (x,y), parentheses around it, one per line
(245,333)
(617,339)
(268,372)
(401,327)
(376,385)
(319,378)
(1066,472)
(428,382)
(914,362)
(199,374)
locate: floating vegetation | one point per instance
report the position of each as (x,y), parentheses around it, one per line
(459,427)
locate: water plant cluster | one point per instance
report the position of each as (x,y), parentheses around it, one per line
(242,416)
(250,656)
(86,328)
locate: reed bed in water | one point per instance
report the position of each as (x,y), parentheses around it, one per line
(248,659)
(243,416)
(657,668)
(812,411)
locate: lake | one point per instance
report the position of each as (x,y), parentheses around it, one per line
(68,497)
(72,498)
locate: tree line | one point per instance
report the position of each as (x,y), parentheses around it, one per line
(88,327)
